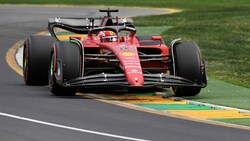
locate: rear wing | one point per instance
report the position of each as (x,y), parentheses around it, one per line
(83,25)
(76,25)
(108,11)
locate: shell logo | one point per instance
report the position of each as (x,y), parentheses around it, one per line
(127,54)
(111,33)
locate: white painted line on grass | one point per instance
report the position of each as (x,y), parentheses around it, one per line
(70,128)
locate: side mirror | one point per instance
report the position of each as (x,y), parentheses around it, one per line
(157,38)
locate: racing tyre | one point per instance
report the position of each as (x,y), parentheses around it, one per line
(188,65)
(65,64)
(36,56)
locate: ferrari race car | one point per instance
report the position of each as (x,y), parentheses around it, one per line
(105,52)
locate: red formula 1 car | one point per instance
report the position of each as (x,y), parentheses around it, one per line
(105,52)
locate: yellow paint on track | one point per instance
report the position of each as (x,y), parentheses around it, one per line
(206,114)
(10,57)
(158,99)
(163,113)
(141,99)
(67,37)
(154,102)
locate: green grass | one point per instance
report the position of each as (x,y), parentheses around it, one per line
(222,34)
(224,94)
(150,30)
(220,27)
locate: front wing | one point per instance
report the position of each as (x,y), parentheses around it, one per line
(119,80)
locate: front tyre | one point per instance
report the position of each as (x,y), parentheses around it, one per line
(188,65)
(64,65)
(54,87)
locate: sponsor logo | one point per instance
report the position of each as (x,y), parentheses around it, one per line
(111,33)
(128,54)
(134,70)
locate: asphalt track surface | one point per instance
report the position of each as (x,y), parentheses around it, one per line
(32,113)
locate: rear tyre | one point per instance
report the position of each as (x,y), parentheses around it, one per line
(36,54)
(188,65)
(65,65)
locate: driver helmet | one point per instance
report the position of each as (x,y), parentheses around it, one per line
(109,36)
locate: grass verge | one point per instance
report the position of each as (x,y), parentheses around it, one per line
(225,94)
(217,92)
(222,34)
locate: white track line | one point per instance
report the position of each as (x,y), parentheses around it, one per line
(70,128)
